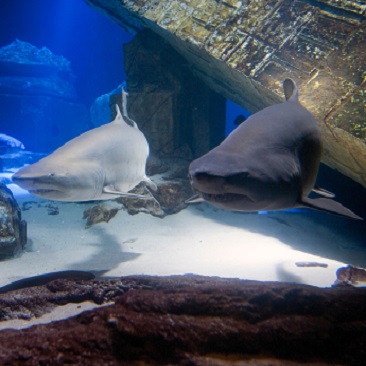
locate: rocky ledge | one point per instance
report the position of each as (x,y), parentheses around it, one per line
(188,320)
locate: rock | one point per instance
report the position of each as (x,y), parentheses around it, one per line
(9,148)
(9,144)
(148,204)
(244,51)
(167,200)
(13,230)
(99,213)
(27,70)
(155,165)
(37,98)
(189,320)
(172,196)
(350,276)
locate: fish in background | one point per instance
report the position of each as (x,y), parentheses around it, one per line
(270,162)
(103,163)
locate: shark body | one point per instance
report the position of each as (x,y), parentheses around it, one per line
(103,163)
(270,162)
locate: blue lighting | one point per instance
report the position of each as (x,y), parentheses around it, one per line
(89,40)
(232,112)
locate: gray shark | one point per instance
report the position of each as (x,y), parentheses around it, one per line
(103,163)
(270,162)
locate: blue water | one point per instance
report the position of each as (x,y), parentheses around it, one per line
(89,40)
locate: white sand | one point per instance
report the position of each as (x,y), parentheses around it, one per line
(58,313)
(200,240)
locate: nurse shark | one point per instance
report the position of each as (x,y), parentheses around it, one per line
(103,163)
(270,162)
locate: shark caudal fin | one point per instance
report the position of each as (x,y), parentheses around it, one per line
(330,206)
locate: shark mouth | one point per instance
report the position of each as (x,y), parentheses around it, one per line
(42,191)
(222,197)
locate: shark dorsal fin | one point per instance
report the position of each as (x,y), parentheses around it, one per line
(128,120)
(119,117)
(290,89)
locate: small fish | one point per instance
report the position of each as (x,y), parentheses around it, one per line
(103,163)
(45,278)
(270,162)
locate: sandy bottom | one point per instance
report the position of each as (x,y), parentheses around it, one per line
(200,239)
(58,313)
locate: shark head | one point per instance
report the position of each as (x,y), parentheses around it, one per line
(56,182)
(228,181)
(269,162)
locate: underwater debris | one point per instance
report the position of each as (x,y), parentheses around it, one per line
(99,213)
(311,264)
(28,205)
(46,278)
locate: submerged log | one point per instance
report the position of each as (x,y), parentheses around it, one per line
(244,50)
(190,320)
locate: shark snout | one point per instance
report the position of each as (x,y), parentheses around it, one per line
(28,179)
(30,183)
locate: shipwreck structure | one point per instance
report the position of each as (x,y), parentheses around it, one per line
(243,50)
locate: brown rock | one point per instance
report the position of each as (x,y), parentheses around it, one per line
(172,195)
(167,200)
(193,320)
(98,213)
(148,204)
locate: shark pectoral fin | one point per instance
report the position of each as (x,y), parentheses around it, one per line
(195,199)
(330,206)
(122,194)
(150,184)
(323,192)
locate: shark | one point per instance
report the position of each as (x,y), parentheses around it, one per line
(103,163)
(270,162)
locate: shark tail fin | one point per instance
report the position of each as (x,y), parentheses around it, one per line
(330,206)
(119,115)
